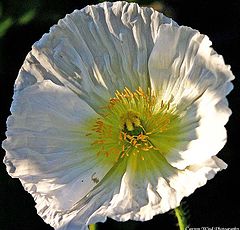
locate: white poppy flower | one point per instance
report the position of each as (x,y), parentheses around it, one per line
(117,112)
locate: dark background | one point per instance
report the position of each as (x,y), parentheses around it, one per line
(24,22)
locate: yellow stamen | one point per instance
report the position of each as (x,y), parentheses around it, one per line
(129,122)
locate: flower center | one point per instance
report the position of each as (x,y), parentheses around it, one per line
(131,123)
(135,123)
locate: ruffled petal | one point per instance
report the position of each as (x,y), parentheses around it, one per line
(183,65)
(95,206)
(159,187)
(47,148)
(90,51)
(81,66)
(186,70)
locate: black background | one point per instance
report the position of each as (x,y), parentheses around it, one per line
(214,205)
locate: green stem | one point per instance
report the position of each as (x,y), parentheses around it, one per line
(181,217)
(93,227)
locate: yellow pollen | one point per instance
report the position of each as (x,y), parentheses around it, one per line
(130,120)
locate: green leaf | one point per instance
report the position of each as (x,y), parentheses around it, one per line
(27,17)
(5,24)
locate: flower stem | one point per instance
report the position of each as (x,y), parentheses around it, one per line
(181,217)
(93,227)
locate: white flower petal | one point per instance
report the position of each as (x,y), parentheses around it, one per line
(67,55)
(81,66)
(159,188)
(182,65)
(46,148)
(95,205)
